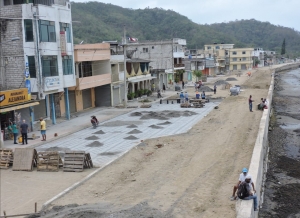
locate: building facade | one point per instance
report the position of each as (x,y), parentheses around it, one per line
(240,58)
(44,52)
(165,57)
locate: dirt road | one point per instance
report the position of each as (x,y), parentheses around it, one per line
(191,175)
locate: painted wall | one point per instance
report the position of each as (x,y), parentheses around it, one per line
(92,52)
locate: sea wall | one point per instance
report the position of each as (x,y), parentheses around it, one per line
(258,166)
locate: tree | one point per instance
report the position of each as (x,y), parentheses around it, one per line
(283,47)
(198,73)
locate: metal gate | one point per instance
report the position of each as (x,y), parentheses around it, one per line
(72,101)
(87,98)
(116,96)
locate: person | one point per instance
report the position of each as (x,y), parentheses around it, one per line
(198,86)
(249,194)
(215,89)
(250,103)
(266,103)
(242,178)
(203,95)
(94,121)
(186,97)
(43,128)
(158,94)
(24,131)
(13,128)
(164,87)
(197,95)
(153,87)
(181,97)
(182,84)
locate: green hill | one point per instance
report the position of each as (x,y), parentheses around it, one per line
(100,22)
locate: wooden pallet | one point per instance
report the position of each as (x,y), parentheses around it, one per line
(24,159)
(6,158)
(74,161)
(88,163)
(48,161)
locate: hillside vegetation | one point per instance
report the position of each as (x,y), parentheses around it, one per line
(100,22)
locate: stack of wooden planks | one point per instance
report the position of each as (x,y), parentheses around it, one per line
(6,158)
(48,161)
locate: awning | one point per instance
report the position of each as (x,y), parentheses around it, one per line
(18,106)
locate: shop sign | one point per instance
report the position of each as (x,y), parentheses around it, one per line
(52,82)
(13,96)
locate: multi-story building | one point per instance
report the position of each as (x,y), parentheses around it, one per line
(258,57)
(165,57)
(44,52)
(93,77)
(240,58)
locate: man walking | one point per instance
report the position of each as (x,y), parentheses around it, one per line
(215,89)
(182,84)
(164,87)
(43,128)
(250,103)
(24,131)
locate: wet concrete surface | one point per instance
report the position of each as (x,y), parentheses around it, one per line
(282,188)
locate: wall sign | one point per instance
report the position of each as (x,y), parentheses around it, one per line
(13,96)
(52,82)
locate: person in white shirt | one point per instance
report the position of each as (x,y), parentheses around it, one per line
(242,178)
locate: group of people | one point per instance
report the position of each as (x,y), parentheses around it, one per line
(203,96)
(24,129)
(263,104)
(184,97)
(198,85)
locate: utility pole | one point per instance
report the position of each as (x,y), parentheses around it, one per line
(125,87)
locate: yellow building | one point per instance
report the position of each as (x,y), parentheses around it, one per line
(240,58)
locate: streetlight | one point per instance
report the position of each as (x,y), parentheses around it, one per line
(2,78)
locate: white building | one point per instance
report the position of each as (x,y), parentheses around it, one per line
(258,54)
(45,48)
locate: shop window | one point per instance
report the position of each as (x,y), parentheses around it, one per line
(67,63)
(47,31)
(49,66)
(66,27)
(28,30)
(31,66)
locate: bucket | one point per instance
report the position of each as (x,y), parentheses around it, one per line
(20,139)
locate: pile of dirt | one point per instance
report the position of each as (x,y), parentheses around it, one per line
(94,144)
(92,138)
(109,153)
(205,89)
(131,137)
(135,131)
(153,115)
(156,127)
(231,79)
(136,114)
(121,123)
(132,126)
(221,82)
(99,132)
(165,123)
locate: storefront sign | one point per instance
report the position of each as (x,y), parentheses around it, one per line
(13,96)
(63,44)
(52,82)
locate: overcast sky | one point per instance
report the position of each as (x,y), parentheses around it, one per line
(279,12)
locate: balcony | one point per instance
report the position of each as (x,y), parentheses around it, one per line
(93,81)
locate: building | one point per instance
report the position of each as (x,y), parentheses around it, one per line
(270,58)
(240,58)
(165,59)
(44,52)
(93,77)
(258,56)
(221,55)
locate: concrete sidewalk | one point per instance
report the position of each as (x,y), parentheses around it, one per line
(80,121)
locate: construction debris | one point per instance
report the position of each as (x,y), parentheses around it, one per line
(24,159)
(88,163)
(6,158)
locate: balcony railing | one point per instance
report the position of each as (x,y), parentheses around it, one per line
(178,65)
(93,81)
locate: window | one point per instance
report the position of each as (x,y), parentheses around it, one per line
(47,31)
(217,47)
(244,59)
(66,27)
(234,59)
(49,66)
(67,63)
(234,52)
(85,69)
(145,50)
(31,66)
(28,30)
(208,47)
(234,67)
(6,2)
(243,52)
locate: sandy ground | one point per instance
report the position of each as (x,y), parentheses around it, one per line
(191,175)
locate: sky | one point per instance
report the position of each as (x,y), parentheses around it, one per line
(277,12)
